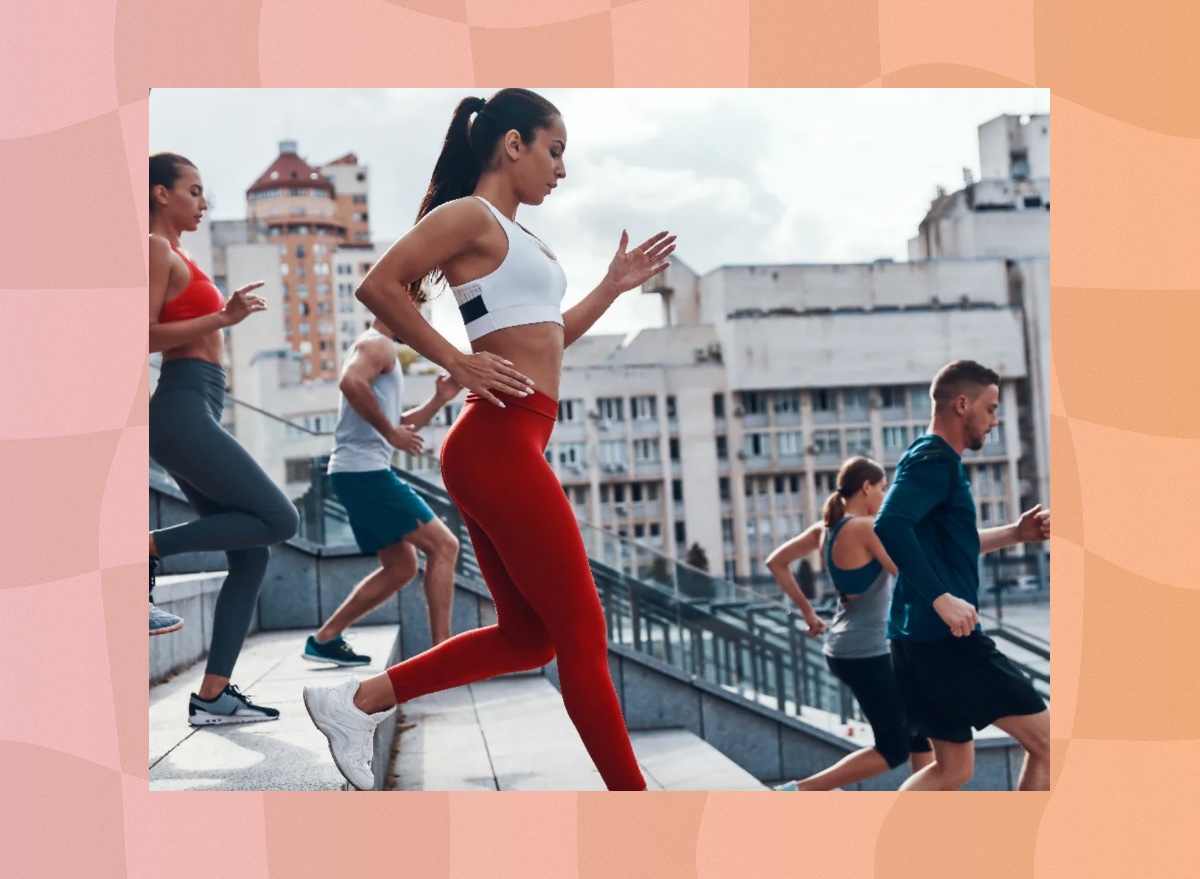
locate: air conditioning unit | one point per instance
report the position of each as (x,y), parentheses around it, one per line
(738,411)
(574,468)
(742,456)
(876,401)
(618,468)
(620,510)
(813,450)
(593,414)
(604,426)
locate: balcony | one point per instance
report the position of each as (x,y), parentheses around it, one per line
(894,413)
(787,419)
(648,468)
(827,416)
(646,427)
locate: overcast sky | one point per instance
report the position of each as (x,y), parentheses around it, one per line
(741,176)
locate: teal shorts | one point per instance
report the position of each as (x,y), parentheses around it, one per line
(382,507)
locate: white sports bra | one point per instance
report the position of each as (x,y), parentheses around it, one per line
(526,288)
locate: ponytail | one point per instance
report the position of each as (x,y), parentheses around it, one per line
(834,510)
(469,146)
(855,473)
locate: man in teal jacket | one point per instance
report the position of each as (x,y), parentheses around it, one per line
(951,674)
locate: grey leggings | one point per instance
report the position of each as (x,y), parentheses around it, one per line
(242,512)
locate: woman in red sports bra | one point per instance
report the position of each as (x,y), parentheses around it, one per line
(242,512)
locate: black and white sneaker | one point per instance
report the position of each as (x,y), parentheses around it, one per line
(228,707)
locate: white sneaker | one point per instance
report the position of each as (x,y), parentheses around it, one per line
(351,732)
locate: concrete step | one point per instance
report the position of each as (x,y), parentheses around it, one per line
(284,754)
(513,733)
(679,760)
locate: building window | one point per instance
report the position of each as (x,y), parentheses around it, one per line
(727,530)
(671,413)
(892,398)
(918,396)
(645,450)
(283,269)
(642,408)
(856,404)
(300,251)
(300,270)
(895,438)
(570,411)
(858,441)
(787,402)
(758,445)
(572,453)
(791,442)
(1020,164)
(723,487)
(827,442)
(611,408)
(680,535)
(613,452)
(823,401)
(302,309)
(718,405)
(304,328)
(677,491)
(722,448)
(753,402)
(302,289)
(674,444)
(298,469)
(321,268)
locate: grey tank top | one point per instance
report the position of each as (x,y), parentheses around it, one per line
(357,446)
(859,626)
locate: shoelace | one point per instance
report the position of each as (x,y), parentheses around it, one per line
(153,570)
(232,690)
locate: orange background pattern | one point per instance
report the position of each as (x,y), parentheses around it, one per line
(73,140)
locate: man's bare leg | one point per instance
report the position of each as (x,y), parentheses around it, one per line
(440,548)
(952,766)
(398,567)
(1032,731)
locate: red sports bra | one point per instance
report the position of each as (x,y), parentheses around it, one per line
(199,297)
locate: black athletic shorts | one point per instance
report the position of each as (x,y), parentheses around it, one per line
(952,685)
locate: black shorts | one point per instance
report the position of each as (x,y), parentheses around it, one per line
(952,685)
(874,686)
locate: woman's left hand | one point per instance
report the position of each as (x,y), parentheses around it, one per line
(633,268)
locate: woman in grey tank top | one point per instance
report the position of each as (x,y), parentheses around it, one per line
(856,647)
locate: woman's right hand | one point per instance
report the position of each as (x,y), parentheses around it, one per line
(486,372)
(816,625)
(241,304)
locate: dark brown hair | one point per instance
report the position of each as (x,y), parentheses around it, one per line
(469,146)
(164,171)
(957,378)
(855,473)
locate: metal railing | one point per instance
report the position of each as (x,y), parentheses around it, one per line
(740,638)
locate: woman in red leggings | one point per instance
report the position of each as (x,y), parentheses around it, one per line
(498,154)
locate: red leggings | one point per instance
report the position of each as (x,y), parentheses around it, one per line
(533,559)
